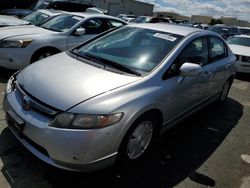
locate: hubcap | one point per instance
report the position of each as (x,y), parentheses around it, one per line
(47,54)
(224,91)
(139,140)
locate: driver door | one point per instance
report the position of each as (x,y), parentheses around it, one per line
(92,28)
(182,94)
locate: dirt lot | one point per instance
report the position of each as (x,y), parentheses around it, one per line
(210,149)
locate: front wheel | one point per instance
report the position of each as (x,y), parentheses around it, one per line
(138,140)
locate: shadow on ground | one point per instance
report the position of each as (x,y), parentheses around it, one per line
(243,76)
(5,74)
(178,154)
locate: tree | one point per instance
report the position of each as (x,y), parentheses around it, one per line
(215,21)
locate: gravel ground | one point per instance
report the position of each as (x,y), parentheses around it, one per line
(210,149)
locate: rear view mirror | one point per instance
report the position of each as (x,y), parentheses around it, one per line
(190,69)
(80,31)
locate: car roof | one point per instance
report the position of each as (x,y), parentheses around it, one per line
(51,12)
(91,15)
(171,28)
(244,27)
(68,1)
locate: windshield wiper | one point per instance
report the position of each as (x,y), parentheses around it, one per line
(110,63)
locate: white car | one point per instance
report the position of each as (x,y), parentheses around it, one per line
(35,18)
(23,45)
(240,46)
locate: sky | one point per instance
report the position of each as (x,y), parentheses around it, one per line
(216,8)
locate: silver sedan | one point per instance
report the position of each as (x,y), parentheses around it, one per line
(110,98)
(23,45)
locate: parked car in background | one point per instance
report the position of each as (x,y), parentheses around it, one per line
(19,4)
(22,45)
(35,18)
(66,5)
(96,10)
(244,30)
(110,98)
(126,17)
(225,31)
(240,45)
(142,19)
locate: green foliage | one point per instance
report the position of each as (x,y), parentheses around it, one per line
(215,21)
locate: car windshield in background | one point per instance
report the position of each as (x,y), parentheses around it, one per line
(137,49)
(239,41)
(219,30)
(61,23)
(244,31)
(142,19)
(36,18)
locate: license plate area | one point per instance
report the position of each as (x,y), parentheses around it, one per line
(15,122)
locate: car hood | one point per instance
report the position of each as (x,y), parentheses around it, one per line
(62,82)
(240,50)
(10,21)
(13,31)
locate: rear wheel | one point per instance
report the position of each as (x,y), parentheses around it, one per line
(224,92)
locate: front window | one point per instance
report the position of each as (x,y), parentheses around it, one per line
(36,18)
(239,41)
(62,23)
(135,48)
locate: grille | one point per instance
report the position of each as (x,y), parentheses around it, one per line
(246,59)
(35,104)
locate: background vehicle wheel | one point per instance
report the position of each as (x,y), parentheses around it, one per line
(224,92)
(43,53)
(138,140)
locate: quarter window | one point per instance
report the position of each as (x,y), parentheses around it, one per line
(217,49)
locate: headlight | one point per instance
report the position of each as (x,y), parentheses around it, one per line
(15,43)
(10,84)
(76,121)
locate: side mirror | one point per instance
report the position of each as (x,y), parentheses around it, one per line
(190,69)
(80,31)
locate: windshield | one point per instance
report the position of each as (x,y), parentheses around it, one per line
(138,49)
(239,41)
(62,23)
(35,18)
(142,19)
(244,31)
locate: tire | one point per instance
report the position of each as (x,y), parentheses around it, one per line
(224,92)
(138,140)
(42,54)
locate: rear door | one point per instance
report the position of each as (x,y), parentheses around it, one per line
(218,65)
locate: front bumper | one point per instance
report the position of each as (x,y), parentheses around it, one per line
(14,58)
(77,150)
